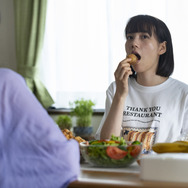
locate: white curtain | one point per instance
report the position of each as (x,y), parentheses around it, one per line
(84,42)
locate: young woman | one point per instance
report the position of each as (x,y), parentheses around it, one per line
(145,103)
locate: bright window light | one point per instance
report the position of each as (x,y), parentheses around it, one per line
(84,42)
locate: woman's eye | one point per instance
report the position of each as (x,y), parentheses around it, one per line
(129,37)
(144,36)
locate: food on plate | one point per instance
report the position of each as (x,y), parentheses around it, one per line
(79,139)
(172,147)
(69,135)
(146,137)
(134,59)
(115,152)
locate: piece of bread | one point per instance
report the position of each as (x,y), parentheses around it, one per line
(134,59)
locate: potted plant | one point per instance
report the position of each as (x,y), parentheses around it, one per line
(83,111)
(64,122)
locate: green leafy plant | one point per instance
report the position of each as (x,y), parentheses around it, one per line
(83,110)
(64,122)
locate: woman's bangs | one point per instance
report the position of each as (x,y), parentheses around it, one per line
(135,26)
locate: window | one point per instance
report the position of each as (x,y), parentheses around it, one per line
(84,42)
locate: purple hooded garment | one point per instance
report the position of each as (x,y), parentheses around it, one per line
(33,151)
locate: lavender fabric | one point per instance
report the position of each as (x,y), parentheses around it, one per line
(33,151)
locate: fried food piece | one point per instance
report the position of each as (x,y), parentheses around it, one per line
(134,59)
(79,139)
(69,135)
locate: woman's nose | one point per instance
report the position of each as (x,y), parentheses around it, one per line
(135,43)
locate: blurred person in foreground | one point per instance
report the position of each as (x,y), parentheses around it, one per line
(33,151)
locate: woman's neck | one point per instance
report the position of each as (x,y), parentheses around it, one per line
(150,80)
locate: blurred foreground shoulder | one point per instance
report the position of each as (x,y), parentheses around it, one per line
(10,76)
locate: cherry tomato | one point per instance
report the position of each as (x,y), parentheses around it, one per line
(135,150)
(115,153)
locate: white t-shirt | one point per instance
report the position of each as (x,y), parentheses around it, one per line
(152,114)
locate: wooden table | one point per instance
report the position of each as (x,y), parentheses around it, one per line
(92,177)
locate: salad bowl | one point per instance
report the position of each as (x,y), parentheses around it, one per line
(110,153)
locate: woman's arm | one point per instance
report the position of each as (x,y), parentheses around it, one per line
(112,124)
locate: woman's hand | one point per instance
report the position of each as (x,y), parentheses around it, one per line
(121,76)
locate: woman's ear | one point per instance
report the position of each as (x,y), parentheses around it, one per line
(162,48)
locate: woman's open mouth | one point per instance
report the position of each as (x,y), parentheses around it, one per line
(137,55)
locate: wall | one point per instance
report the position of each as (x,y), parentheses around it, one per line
(7,35)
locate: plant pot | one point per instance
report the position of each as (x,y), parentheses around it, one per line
(83,131)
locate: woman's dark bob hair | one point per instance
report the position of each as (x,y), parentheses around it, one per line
(152,25)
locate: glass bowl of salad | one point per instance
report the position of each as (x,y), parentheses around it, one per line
(115,152)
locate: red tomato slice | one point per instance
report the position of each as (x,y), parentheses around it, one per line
(136,150)
(115,153)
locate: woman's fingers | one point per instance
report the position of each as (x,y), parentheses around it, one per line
(123,70)
(121,76)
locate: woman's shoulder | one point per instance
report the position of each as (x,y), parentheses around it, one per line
(111,89)
(180,85)
(112,86)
